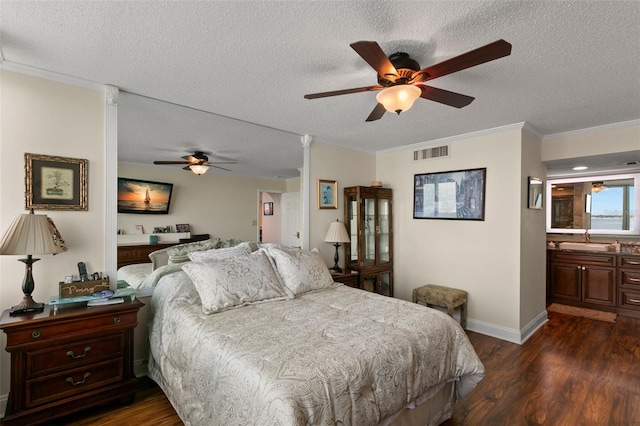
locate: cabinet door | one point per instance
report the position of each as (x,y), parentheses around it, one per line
(598,285)
(565,279)
(351,220)
(383,231)
(369,226)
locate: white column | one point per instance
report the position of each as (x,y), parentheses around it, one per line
(306,141)
(111,183)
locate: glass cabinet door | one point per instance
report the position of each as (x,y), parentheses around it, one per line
(369,226)
(382,229)
(352,223)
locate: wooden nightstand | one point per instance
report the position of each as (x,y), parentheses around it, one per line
(69,360)
(346,278)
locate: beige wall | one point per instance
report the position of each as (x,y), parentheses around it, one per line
(482,257)
(621,137)
(533,250)
(224,206)
(349,168)
(44,117)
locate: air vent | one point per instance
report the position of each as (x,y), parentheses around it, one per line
(430,153)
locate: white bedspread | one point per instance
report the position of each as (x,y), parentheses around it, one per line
(337,356)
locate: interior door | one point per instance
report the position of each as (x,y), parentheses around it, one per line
(291,219)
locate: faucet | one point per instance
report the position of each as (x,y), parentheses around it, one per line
(587,237)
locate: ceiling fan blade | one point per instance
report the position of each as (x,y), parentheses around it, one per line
(172,162)
(190,158)
(342,92)
(209,163)
(377,113)
(491,51)
(444,96)
(371,52)
(222,168)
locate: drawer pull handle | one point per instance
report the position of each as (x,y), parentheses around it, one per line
(634,300)
(35,334)
(74,356)
(116,320)
(84,379)
(633,262)
(637,280)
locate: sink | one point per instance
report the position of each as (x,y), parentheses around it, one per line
(584,246)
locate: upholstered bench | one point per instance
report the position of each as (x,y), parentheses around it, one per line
(444,297)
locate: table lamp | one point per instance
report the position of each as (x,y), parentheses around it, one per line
(30,234)
(337,234)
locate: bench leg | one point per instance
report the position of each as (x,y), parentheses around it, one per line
(463,316)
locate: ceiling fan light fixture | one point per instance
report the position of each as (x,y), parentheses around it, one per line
(199,169)
(398,98)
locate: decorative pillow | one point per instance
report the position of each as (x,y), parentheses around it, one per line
(237,281)
(220,253)
(231,242)
(158,258)
(180,253)
(302,271)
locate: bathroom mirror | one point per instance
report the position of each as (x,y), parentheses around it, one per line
(607,204)
(535,193)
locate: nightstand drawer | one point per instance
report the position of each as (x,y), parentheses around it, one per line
(629,299)
(72,355)
(69,383)
(65,329)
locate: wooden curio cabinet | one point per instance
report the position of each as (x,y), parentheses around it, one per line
(369,222)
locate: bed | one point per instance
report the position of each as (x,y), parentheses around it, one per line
(311,352)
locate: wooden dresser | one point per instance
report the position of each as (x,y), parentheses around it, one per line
(66,361)
(130,254)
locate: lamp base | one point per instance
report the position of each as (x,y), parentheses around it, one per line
(336,269)
(26,306)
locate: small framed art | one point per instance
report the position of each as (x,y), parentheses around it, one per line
(267,209)
(327,194)
(55,183)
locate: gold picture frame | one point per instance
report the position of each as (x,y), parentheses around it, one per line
(327,194)
(55,183)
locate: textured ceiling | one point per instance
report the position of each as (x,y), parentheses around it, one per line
(574,65)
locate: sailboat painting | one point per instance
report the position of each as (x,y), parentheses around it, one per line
(143,196)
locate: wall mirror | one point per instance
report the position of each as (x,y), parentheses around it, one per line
(536,186)
(607,204)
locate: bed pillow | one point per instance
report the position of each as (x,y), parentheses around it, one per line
(180,253)
(237,281)
(220,253)
(302,271)
(158,258)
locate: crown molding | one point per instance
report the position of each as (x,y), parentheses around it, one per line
(50,75)
(450,139)
(602,128)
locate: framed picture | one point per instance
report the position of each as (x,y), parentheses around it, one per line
(183,227)
(327,194)
(55,183)
(267,209)
(457,194)
(535,185)
(139,229)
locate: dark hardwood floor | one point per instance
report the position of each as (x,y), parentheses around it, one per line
(573,371)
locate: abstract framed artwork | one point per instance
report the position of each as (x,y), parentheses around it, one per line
(458,194)
(327,194)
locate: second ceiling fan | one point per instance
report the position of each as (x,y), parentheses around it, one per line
(198,163)
(400,77)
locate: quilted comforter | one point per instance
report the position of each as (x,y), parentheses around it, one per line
(336,356)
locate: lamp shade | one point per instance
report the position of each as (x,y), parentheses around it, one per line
(398,98)
(337,233)
(32,234)
(199,169)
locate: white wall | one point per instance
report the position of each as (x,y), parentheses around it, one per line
(222,205)
(349,168)
(44,117)
(482,257)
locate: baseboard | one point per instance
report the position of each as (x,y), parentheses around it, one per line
(3,404)
(140,368)
(508,334)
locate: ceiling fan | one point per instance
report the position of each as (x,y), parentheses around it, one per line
(400,77)
(198,163)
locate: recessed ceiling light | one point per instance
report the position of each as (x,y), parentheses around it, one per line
(580,168)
